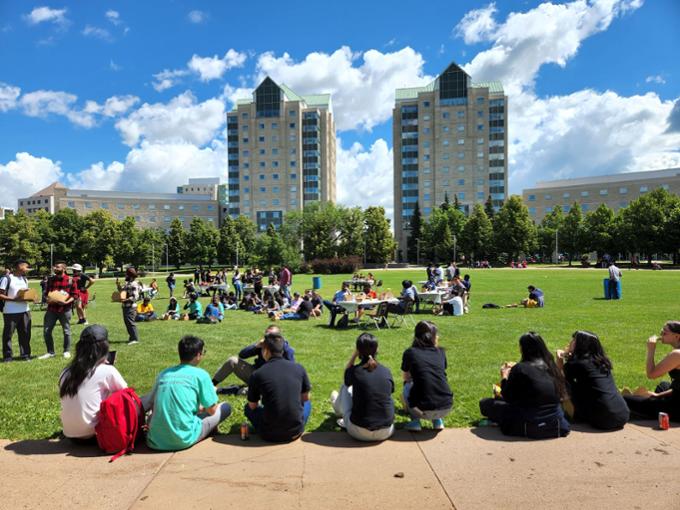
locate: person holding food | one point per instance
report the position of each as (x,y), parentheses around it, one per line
(61,293)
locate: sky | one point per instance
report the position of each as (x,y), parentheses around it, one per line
(133,95)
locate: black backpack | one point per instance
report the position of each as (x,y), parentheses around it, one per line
(2,302)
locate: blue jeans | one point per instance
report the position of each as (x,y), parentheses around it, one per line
(255,416)
(291,316)
(238,288)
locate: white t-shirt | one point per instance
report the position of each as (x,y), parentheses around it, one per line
(80,413)
(457,303)
(13,284)
(614,273)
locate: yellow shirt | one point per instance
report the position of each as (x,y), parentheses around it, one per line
(144,309)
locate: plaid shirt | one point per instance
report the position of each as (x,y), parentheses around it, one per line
(65,283)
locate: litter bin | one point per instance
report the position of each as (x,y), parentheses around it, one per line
(316,282)
(606,289)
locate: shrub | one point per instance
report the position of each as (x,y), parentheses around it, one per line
(336,265)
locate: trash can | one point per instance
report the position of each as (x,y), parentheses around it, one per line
(316,282)
(606,289)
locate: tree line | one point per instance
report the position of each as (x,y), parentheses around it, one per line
(649,225)
(321,231)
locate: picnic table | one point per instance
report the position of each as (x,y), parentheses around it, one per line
(353,306)
(266,289)
(432,296)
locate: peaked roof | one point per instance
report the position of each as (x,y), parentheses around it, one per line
(313,100)
(49,190)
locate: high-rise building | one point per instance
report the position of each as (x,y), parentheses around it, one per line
(281,153)
(616,191)
(450,141)
(153,210)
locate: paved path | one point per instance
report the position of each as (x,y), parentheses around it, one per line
(638,467)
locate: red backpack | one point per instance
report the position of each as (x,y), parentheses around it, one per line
(120,419)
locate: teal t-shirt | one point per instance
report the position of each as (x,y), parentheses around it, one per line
(196,307)
(178,392)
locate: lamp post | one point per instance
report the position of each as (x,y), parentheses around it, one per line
(557,251)
(418,251)
(167,257)
(153,257)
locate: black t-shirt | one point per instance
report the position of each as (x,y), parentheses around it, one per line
(427,367)
(279,383)
(372,405)
(305,309)
(170,280)
(594,394)
(532,389)
(82,280)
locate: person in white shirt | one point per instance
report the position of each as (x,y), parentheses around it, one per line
(16,312)
(86,382)
(454,306)
(614,278)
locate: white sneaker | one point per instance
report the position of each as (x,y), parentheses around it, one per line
(133,342)
(67,355)
(47,355)
(334,396)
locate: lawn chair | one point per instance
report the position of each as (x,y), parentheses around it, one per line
(406,315)
(378,316)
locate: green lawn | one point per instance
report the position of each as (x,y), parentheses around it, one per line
(476,344)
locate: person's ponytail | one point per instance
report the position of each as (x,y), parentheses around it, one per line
(369,363)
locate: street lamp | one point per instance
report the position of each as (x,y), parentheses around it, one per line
(418,251)
(557,251)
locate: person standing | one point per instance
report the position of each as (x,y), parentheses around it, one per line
(83,283)
(132,291)
(285,281)
(16,314)
(614,279)
(238,285)
(59,310)
(170,280)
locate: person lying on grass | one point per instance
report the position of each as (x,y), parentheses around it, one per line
(185,407)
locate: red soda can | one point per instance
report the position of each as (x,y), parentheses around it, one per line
(664,421)
(244,431)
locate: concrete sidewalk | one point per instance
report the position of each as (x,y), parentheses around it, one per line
(638,467)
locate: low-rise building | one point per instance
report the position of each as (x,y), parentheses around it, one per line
(616,191)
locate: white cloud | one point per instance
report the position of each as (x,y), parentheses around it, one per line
(364,177)
(231,94)
(362,84)
(42,103)
(98,176)
(25,175)
(477,25)
(585,132)
(168,78)
(182,119)
(8,96)
(197,17)
(113,106)
(46,14)
(97,33)
(212,68)
(113,17)
(655,79)
(115,67)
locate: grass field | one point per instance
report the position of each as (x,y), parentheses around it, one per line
(476,344)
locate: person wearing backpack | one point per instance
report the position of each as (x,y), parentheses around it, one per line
(86,382)
(16,312)
(185,405)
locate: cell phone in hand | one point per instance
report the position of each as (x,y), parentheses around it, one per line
(111,357)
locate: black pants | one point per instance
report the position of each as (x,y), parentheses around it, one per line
(335,310)
(22,323)
(129,316)
(647,407)
(493,408)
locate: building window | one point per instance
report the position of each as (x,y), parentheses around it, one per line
(275,189)
(531,198)
(604,192)
(275,164)
(547,197)
(275,201)
(461,141)
(291,113)
(262,164)
(262,177)
(275,125)
(167,219)
(460,128)
(445,115)
(261,125)
(263,189)
(72,204)
(426,196)
(460,114)
(461,182)
(151,206)
(623,191)
(246,177)
(211,207)
(260,139)
(166,207)
(120,205)
(262,152)
(104,205)
(566,195)
(246,153)
(461,155)
(135,206)
(532,211)
(426,131)
(292,163)
(180,207)
(461,195)
(275,152)
(665,186)
(293,176)
(88,205)
(445,143)
(643,189)
(426,104)
(445,129)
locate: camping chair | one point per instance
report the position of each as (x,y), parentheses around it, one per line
(378,316)
(402,317)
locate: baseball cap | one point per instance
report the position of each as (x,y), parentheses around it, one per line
(77,267)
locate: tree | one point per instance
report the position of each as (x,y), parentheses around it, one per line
(599,230)
(378,239)
(477,236)
(247,233)
(488,208)
(456,202)
(415,234)
(644,222)
(513,230)
(125,246)
(67,227)
(19,239)
(351,230)
(320,231)
(149,248)
(572,233)
(98,239)
(202,242)
(176,239)
(548,232)
(229,246)
(446,203)
(42,222)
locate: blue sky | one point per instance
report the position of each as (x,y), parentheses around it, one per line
(591,83)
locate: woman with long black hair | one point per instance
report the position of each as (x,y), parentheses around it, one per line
(588,374)
(364,403)
(531,394)
(85,382)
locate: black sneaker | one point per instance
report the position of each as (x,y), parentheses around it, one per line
(7,360)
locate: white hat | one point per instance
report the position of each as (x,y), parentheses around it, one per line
(77,267)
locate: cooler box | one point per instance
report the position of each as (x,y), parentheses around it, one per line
(606,288)
(316,282)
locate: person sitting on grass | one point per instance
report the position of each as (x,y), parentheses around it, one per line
(666,397)
(453,305)
(86,382)
(588,373)
(145,311)
(251,303)
(426,394)
(194,307)
(364,403)
(241,368)
(537,295)
(172,312)
(214,312)
(278,394)
(317,303)
(185,405)
(229,301)
(531,394)
(343,294)
(302,313)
